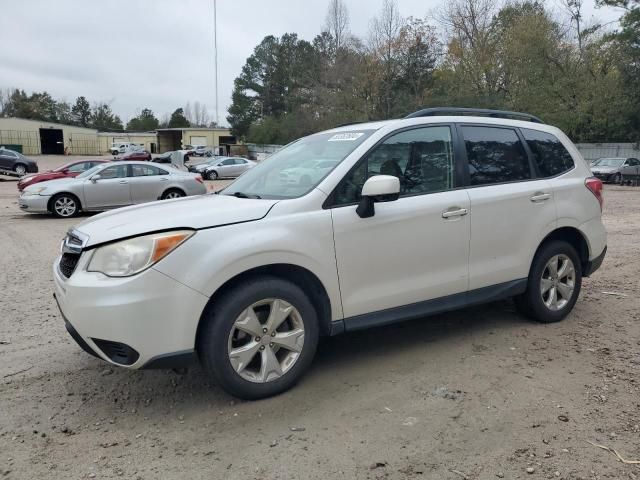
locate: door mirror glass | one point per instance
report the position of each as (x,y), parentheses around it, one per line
(380,188)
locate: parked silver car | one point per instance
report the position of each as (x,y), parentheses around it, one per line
(110,186)
(613,169)
(227,167)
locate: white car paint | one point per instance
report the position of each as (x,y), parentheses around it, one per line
(406,253)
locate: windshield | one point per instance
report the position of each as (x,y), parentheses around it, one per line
(299,167)
(63,167)
(610,162)
(90,172)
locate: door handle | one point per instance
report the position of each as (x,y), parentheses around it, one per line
(164,179)
(454,212)
(123,182)
(540,197)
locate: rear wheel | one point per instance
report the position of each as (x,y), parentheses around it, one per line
(64,205)
(20,169)
(554,283)
(260,338)
(172,193)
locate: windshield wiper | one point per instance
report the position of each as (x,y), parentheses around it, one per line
(245,195)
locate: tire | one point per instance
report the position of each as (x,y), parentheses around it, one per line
(212,175)
(64,205)
(172,193)
(538,305)
(219,335)
(617,179)
(20,169)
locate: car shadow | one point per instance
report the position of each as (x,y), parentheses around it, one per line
(352,354)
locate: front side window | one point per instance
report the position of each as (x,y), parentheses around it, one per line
(549,155)
(116,171)
(299,167)
(495,155)
(421,158)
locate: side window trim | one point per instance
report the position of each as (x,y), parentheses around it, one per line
(465,161)
(330,200)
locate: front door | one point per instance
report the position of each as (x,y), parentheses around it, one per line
(415,248)
(510,208)
(110,190)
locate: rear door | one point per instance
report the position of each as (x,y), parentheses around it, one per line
(511,210)
(147,182)
(111,190)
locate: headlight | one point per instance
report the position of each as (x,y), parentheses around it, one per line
(128,257)
(35,191)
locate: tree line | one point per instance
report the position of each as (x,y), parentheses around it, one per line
(518,56)
(42,106)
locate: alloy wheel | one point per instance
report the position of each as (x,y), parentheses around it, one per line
(21,170)
(65,206)
(266,340)
(171,195)
(558,282)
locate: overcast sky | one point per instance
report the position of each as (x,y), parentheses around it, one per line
(159,53)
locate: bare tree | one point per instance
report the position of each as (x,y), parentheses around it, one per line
(472,47)
(187,113)
(5,99)
(384,31)
(574,8)
(337,23)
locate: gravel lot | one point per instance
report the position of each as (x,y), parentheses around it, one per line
(476,394)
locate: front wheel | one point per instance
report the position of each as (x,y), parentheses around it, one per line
(20,169)
(260,338)
(617,179)
(212,175)
(64,205)
(554,283)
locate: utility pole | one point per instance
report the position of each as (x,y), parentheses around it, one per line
(215,55)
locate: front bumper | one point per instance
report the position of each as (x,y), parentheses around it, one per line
(145,321)
(34,203)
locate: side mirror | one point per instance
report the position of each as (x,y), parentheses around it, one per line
(95,178)
(381,188)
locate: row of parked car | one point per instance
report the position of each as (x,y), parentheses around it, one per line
(99,184)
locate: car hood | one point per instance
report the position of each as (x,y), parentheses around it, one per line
(203,211)
(53,185)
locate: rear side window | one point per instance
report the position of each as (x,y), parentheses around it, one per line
(495,155)
(549,155)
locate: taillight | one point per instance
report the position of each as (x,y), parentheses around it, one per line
(199,179)
(595,186)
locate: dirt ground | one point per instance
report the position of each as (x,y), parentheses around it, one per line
(476,394)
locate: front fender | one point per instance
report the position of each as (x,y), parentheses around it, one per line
(214,256)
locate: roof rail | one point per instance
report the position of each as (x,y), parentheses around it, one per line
(480,112)
(349,123)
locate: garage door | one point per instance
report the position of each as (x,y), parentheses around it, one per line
(198,140)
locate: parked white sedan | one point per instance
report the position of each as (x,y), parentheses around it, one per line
(110,186)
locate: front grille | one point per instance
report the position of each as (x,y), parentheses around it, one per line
(117,352)
(68,263)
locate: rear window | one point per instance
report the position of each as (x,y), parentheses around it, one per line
(549,155)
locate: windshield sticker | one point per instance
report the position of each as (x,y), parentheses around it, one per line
(345,137)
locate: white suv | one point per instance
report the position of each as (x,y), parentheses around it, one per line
(414,217)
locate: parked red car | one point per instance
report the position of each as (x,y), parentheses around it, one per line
(144,155)
(70,169)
